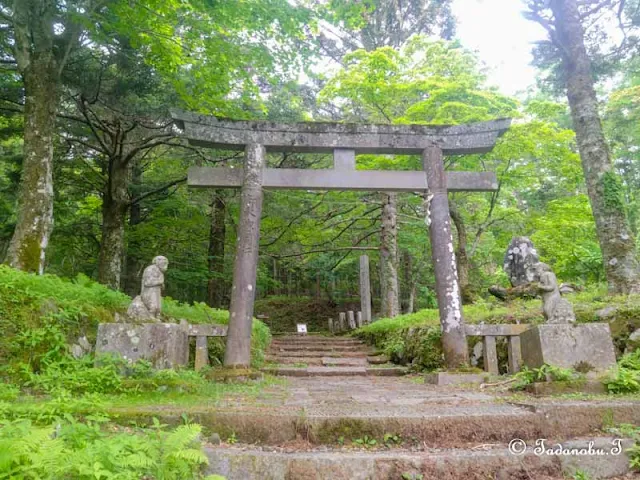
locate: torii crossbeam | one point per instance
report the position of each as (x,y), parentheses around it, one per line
(344,141)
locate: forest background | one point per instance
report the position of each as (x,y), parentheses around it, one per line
(84,125)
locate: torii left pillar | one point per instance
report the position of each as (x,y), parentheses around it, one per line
(238,351)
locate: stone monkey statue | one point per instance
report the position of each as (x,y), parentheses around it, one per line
(556,309)
(148,305)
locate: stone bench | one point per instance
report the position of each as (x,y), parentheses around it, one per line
(490,354)
(202,333)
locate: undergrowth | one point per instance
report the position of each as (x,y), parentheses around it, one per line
(625,377)
(41,312)
(414,339)
(94,449)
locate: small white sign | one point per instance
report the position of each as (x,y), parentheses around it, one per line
(302,328)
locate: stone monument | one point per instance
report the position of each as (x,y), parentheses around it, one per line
(520,260)
(142,335)
(556,309)
(147,306)
(560,341)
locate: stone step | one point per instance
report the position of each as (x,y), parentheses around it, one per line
(326,361)
(377,359)
(429,425)
(286,360)
(315,341)
(319,353)
(350,362)
(334,371)
(329,348)
(496,461)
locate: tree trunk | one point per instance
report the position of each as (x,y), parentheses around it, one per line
(35,198)
(132,262)
(115,203)
(408,286)
(603,185)
(462,259)
(217,233)
(389,258)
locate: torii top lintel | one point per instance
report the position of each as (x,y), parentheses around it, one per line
(320,137)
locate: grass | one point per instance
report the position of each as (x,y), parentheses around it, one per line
(34,308)
(414,339)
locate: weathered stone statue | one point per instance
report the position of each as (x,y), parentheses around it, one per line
(520,260)
(148,305)
(556,309)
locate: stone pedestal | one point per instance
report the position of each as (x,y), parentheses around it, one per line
(568,346)
(165,345)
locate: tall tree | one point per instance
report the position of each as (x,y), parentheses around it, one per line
(40,55)
(563,20)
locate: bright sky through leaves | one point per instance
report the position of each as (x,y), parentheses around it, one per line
(502,38)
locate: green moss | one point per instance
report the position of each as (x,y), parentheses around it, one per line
(346,428)
(29,254)
(613,192)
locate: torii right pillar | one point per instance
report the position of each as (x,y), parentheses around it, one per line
(454,339)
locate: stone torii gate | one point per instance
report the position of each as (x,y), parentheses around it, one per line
(344,141)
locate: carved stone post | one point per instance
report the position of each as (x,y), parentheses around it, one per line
(454,340)
(351,320)
(342,322)
(365,289)
(238,351)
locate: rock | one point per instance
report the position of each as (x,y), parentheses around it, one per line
(214,439)
(77,351)
(633,343)
(565,288)
(606,312)
(519,261)
(476,354)
(84,343)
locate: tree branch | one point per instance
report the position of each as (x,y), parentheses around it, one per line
(157,190)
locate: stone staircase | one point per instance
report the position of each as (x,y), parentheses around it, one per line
(317,355)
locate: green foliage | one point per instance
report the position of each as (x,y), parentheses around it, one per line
(87,450)
(366,442)
(545,373)
(41,315)
(625,377)
(76,377)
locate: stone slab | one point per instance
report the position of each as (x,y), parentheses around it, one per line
(614,463)
(165,345)
(207,330)
(338,361)
(495,330)
(594,387)
(568,345)
(447,378)
(323,137)
(496,461)
(253,464)
(329,179)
